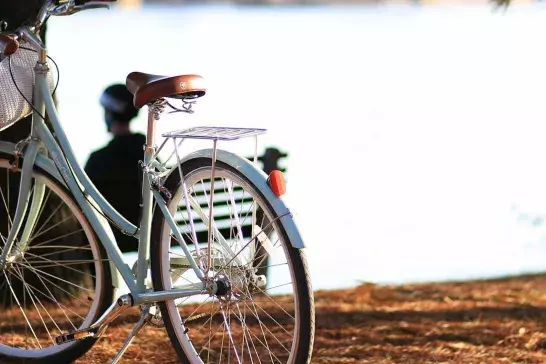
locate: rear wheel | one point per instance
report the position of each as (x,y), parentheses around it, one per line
(254,317)
(60,282)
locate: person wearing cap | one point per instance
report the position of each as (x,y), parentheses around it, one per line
(114,169)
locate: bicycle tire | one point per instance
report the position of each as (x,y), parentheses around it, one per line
(101,280)
(184,342)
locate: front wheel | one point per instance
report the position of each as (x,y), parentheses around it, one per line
(59,282)
(254,317)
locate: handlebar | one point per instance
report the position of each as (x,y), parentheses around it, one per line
(72,8)
(68,7)
(83,2)
(9,42)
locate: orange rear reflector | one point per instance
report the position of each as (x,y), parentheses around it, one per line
(276,182)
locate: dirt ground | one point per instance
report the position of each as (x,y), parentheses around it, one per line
(493,321)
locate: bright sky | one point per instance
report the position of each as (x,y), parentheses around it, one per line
(412,132)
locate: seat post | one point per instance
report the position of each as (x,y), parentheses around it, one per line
(154,112)
(150,134)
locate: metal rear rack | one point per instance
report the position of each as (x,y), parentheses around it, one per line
(214,133)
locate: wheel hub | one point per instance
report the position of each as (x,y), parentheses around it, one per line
(223,285)
(15,256)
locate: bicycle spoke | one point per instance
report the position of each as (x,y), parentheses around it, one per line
(42,208)
(56,285)
(52,298)
(245,339)
(6,205)
(264,344)
(54,263)
(44,224)
(230,336)
(54,276)
(212,333)
(210,330)
(40,245)
(233,211)
(50,228)
(68,248)
(268,330)
(179,276)
(222,344)
(73,261)
(34,304)
(272,300)
(22,311)
(243,248)
(255,313)
(40,302)
(275,321)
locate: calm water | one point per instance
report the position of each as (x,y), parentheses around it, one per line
(416,135)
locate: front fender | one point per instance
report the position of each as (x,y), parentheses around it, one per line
(259,180)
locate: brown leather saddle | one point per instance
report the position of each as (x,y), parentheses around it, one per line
(147,88)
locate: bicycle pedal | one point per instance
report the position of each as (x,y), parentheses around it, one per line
(74,335)
(98,328)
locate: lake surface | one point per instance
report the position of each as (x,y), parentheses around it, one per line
(416,134)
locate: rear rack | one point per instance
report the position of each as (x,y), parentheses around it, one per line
(214,133)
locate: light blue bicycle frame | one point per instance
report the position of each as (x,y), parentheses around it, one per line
(86,194)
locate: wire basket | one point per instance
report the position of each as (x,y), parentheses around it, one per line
(13,106)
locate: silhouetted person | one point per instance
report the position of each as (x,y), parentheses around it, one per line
(115,169)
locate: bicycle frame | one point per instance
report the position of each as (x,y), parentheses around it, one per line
(86,194)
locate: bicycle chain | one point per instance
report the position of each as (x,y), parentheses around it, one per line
(195,317)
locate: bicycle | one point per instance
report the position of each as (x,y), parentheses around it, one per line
(205,288)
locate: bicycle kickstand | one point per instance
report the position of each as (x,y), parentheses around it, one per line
(145,317)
